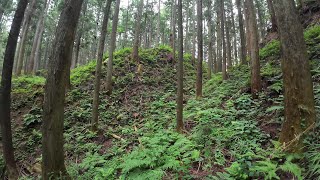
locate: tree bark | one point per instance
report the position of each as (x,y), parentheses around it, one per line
(187,40)
(78,39)
(299,106)
(224,46)
(5,91)
(219,38)
(247,30)
(193,61)
(200,50)
(261,19)
(158,24)
(210,48)
(254,48)
(125,38)
(228,39)
(180,125)
(214,51)
(243,53)
(273,16)
(37,39)
(112,47)
(173,29)
(55,89)
(135,50)
(24,34)
(235,49)
(95,105)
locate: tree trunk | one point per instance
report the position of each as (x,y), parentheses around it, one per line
(214,51)
(180,125)
(53,108)
(261,19)
(193,40)
(5,91)
(173,28)
(224,46)
(158,24)
(247,32)
(235,49)
(112,47)
(78,40)
(24,34)
(135,50)
(125,38)
(37,39)
(254,48)
(186,41)
(200,50)
(104,29)
(228,39)
(299,106)
(273,16)
(219,38)
(243,53)
(210,48)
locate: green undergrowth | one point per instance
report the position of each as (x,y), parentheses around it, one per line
(228,135)
(271,51)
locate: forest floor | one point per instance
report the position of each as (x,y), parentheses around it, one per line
(229,135)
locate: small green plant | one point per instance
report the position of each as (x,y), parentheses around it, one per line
(272,49)
(33,117)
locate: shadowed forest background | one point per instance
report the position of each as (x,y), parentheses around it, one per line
(160,89)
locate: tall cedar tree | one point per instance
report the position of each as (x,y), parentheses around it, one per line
(219,38)
(210,44)
(200,50)
(180,70)
(243,51)
(104,29)
(272,15)
(224,45)
(136,42)
(34,56)
(24,34)
(252,33)
(173,28)
(5,90)
(77,43)
(112,46)
(55,90)
(299,110)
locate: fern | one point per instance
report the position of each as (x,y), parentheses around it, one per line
(292,169)
(267,168)
(158,153)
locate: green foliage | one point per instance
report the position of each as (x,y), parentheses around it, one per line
(277,87)
(158,153)
(33,140)
(312,34)
(82,73)
(261,165)
(271,50)
(34,117)
(312,38)
(27,84)
(270,69)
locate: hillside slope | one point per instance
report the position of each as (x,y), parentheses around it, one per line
(228,134)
